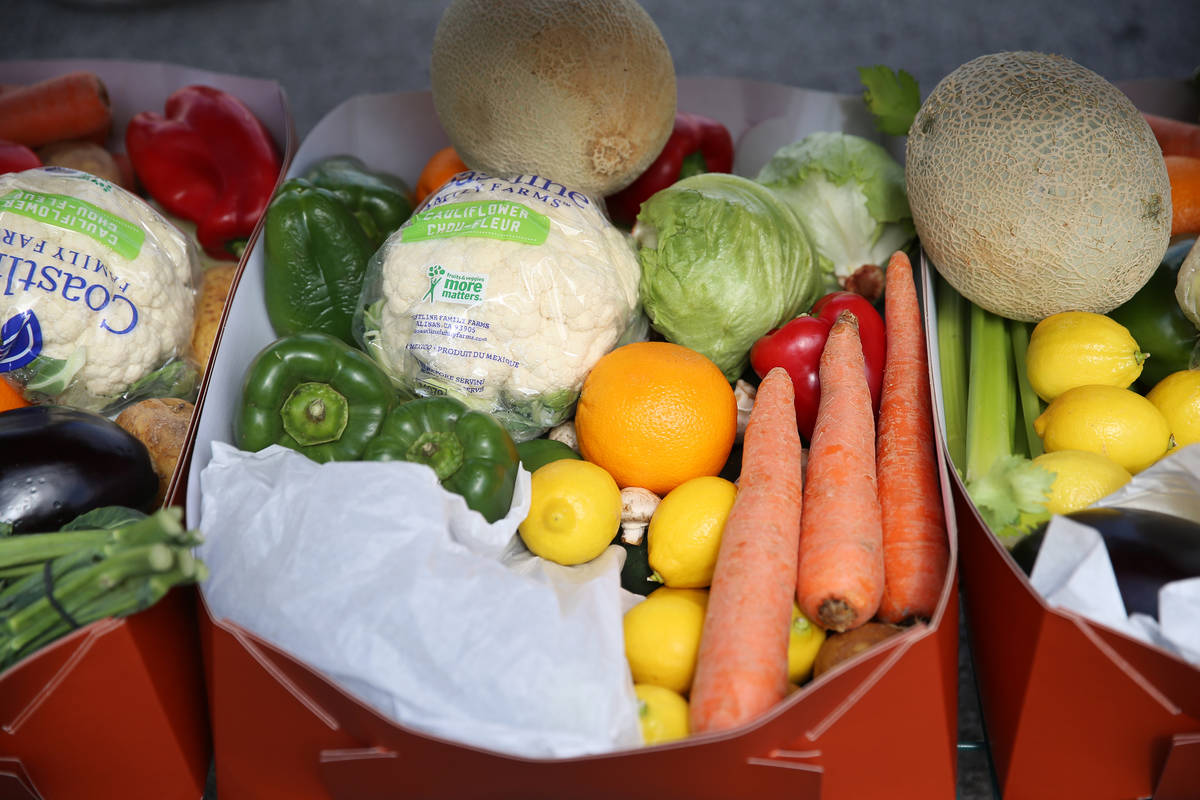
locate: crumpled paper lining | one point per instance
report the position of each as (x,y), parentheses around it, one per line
(374,575)
(1073,570)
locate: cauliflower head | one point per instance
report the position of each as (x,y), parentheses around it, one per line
(502,292)
(97,289)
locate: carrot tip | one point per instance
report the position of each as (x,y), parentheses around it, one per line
(836,614)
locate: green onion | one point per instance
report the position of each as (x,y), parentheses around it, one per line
(93,574)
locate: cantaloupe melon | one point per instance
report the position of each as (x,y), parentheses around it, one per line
(578,91)
(1036,186)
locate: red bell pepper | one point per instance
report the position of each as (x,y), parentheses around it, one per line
(697,144)
(209,160)
(797,346)
(17,157)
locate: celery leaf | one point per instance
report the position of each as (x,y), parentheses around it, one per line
(892,97)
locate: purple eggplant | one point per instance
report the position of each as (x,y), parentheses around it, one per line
(57,463)
(1147,549)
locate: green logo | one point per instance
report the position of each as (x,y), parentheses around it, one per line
(490,219)
(464,288)
(69,213)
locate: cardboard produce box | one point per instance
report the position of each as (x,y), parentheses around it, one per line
(882,724)
(1072,708)
(117,708)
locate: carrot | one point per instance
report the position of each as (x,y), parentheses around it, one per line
(916,552)
(742,665)
(1176,137)
(443,166)
(10,396)
(1184,174)
(70,106)
(839,581)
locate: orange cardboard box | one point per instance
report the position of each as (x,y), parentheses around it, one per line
(881,725)
(117,709)
(1074,709)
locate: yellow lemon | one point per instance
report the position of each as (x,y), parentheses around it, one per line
(1080,348)
(662,713)
(662,637)
(685,531)
(574,513)
(1177,396)
(1080,478)
(1114,422)
(804,641)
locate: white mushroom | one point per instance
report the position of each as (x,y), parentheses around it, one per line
(744,394)
(637,506)
(565,433)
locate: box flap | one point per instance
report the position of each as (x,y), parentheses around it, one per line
(1181,773)
(15,784)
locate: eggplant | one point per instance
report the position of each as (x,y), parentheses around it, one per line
(57,463)
(1148,549)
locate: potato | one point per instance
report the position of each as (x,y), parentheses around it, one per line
(162,425)
(86,156)
(839,647)
(214,293)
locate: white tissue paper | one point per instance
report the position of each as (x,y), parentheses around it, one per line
(374,575)
(1073,570)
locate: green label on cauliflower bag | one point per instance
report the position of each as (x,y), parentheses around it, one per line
(80,216)
(490,219)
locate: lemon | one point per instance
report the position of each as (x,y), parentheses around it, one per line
(1177,396)
(574,513)
(1114,422)
(662,713)
(1080,478)
(685,531)
(1079,348)
(804,641)
(662,637)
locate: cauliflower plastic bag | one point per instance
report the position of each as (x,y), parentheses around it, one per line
(97,292)
(502,292)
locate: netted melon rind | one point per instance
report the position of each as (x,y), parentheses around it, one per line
(579,92)
(1036,187)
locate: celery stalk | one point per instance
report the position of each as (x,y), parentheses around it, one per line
(1009,490)
(952,320)
(1031,404)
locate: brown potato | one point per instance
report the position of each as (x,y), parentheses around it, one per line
(86,156)
(160,423)
(839,647)
(214,293)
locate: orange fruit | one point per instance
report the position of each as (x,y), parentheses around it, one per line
(656,414)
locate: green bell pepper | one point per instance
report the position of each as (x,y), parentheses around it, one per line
(471,452)
(381,202)
(316,255)
(315,394)
(1157,323)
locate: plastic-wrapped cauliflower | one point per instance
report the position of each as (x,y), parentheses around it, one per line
(96,292)
(502,292)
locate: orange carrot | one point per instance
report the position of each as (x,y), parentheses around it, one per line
(443,166)
(1184,174)
(10,396)
(1176,137)
(916,551)
(839,581)
(741,669)
(70,106)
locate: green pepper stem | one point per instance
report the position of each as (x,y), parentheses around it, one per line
(315,413)
(440,450)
